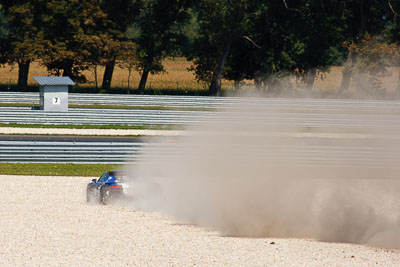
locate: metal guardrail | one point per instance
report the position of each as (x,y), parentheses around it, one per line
(324,113)
(275,113)
(342,152)
(24,115)
(110,152)
(119,99)
(186,101)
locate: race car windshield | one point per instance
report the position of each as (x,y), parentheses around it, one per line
(119,177)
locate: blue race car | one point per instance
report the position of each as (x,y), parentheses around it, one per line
(109,186)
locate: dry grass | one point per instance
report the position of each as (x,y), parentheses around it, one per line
(177,76)
(330,81)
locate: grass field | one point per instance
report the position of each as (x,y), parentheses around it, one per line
(96,106)
(85,126)
(50,169)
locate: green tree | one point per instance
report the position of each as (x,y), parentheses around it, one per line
(127,59)
(220,24)
(3,36)
(272,50)
(75,36)
(3,24)
(296,37)
(121,14)
(158,34)
(362,16)
(321,26)
(374,56)
(23,41)
(392,25)
(392,28)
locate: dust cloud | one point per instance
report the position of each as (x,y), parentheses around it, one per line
(282,168)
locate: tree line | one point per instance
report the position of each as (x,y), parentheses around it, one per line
(225,39)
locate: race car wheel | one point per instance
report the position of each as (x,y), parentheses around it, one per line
(104,196)
(89,195)
(100,200)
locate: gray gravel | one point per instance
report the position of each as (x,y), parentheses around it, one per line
(45,221)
